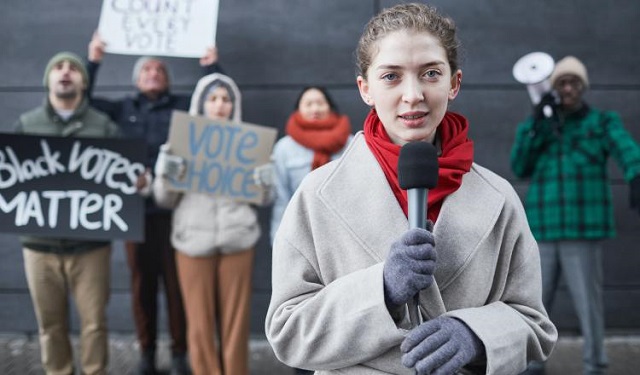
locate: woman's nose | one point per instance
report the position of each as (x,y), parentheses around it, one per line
(412,91)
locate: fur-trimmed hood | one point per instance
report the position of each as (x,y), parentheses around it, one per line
(202,88)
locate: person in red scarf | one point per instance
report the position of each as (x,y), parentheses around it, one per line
(316,134)
(346,265)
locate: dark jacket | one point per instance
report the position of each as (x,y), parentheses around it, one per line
(85,122)
(142,118)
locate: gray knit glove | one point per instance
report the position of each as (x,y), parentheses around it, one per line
(409,267)
(440,346)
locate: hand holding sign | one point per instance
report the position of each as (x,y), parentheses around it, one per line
(169,166)
(96,48)
(210,57)
(264,175)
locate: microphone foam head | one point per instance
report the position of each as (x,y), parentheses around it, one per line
(418,166)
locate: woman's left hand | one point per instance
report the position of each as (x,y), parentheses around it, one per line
(440,346)
(210,57)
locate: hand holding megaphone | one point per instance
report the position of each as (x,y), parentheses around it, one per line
(534,70)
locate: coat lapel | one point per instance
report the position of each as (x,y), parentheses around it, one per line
(362,212)
(457,235)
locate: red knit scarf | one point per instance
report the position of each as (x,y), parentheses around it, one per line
(454,162)
(325,137)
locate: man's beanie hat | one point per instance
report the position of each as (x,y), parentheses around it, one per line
(570,65)
(66,56)
(140,63)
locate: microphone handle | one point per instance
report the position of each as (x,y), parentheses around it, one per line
(417,199)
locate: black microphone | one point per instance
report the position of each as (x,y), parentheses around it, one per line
(417,173)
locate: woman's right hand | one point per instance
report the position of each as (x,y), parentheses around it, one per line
(409,267)
(168,165)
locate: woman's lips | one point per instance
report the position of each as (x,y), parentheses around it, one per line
(413,119)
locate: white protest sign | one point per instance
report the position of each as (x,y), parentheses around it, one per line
(221,156)
(181,28)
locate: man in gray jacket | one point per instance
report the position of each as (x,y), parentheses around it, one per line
(57,267)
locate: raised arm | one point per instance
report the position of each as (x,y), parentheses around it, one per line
(95,54)
(209,62)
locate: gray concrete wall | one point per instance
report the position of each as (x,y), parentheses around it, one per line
(273,48)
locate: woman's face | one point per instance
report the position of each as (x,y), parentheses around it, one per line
(218,105)
(410,85)
(313,105)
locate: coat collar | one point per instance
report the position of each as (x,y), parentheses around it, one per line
(79,112)
(162,100)
(579,114)
(457,235)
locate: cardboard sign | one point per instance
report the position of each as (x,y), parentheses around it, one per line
(220,155)
(71,187)
(182,28)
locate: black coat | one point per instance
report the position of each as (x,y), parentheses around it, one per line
(140,117)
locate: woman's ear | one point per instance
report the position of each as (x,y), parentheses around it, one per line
(363,87)
(456,82)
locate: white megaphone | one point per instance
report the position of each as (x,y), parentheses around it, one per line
(534,70)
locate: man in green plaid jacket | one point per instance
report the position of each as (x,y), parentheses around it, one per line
(568,203)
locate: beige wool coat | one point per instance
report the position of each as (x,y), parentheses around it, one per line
(327,309)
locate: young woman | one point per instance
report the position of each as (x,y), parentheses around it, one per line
(214,238)
(316,134)
(345,264)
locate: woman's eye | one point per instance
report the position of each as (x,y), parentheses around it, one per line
(432,74)
(390,77)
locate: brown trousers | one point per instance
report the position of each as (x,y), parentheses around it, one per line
(150,262)
(52,279)
(217,298)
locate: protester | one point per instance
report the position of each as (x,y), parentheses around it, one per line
(345,265)
(316,134)
(568,203)
(215,239)
(60,268)
(147,116)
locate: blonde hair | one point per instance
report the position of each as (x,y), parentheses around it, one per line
(413,17)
